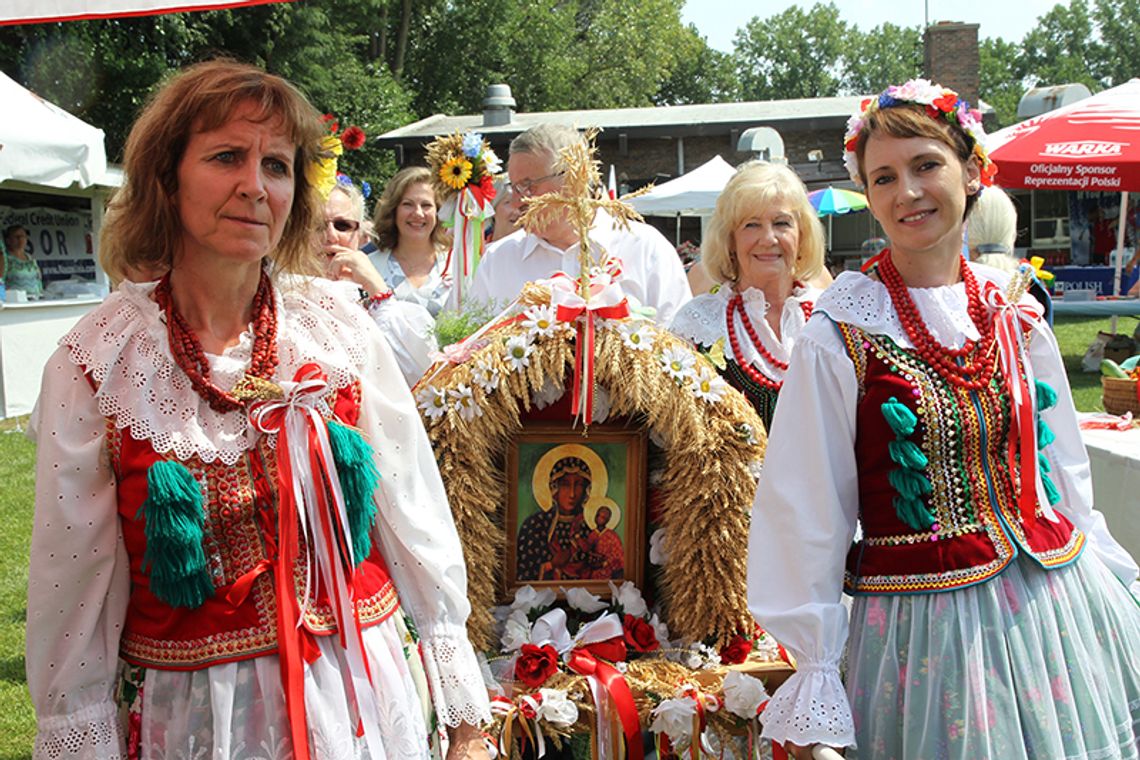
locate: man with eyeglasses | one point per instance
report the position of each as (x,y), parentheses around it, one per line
(652,273)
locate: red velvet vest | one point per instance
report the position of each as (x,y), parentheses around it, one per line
(240,620)
(978,529)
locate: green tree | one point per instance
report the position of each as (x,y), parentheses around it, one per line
(1119,24)
(1001,84)
(886,55)
(793,54)
(701,75)
(1063,48)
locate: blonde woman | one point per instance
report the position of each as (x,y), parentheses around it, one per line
(764,245)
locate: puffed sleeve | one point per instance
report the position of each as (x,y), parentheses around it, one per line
(78,582)
(803,521)
(421,544)
(409,330)
(1069,460)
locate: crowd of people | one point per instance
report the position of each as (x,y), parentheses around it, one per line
(243,547)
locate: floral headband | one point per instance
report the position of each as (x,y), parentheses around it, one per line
(941,103)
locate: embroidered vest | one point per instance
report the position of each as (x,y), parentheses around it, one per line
(240,529)
(969,527)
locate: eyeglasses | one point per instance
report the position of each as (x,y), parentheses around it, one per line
(525,188)
(343,225)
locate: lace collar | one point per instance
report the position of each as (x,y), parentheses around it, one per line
(703,322)
(863,302)
(123,346)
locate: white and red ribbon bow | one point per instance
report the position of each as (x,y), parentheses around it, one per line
(1011,322)
(312,507)
(472,209)
(605,300)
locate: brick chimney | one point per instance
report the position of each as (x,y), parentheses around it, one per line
(951,58)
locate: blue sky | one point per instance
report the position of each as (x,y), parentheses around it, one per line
(718,20)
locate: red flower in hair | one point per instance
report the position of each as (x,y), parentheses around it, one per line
(353,138)
(327,118)
(947,102)
(866,102)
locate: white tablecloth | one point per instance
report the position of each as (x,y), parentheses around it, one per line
(1115,459)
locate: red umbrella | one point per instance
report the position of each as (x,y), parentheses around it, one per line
(1093,144)
(39,11)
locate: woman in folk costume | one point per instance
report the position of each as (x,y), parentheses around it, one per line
(764,243)
(927,404)
(236,505)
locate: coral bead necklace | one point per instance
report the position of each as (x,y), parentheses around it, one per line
(736,306)
(978,358)
(191,357)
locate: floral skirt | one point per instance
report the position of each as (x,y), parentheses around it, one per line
(236,711)
(1032,664)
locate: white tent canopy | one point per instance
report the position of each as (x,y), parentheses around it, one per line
(691,194)
(42,144)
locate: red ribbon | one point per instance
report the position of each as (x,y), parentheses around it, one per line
(582,662)
(584,350)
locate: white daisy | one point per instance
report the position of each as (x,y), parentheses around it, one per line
(493,163)
(519,349)
(540,321)
(678,363)
(636,335)
(485,376)
(709,386)
(464,401)
(432,401)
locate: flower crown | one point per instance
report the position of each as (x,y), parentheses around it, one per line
(323,173)
(941,103)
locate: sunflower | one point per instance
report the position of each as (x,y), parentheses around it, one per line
(456,172)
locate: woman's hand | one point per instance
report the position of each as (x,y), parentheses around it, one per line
(465,742)
(351,264)
(797,752)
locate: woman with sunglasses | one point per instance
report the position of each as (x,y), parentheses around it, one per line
(407,326)
(411,241)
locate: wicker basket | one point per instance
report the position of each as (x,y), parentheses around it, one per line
(1120,395)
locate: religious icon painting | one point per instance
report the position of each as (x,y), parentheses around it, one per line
(575,508)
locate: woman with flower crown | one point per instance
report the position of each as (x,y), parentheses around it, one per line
(239,526)
(764,245)
(926,405)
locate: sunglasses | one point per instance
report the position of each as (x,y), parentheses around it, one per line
(343,225)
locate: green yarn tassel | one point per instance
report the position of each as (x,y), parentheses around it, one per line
(899,417)
(909,479)
(1045,434)
(358,481)
(1051,492)
(174,554)
(1046,396)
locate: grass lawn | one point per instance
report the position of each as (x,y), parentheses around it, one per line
(17,457)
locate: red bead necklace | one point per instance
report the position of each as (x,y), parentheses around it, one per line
(976,371)
(736,305)
(191,358)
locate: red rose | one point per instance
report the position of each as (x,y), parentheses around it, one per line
(639,634)
(736,651)
(353,138)
(947,102)
(536,664)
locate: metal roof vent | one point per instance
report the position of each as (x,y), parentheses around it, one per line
(1041,100)
(764,142)
(498,106)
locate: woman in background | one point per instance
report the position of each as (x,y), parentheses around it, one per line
(410,240)
(18,270)
(764,244)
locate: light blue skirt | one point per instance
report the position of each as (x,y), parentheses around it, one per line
(1032,664)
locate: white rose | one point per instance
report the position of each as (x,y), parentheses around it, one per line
(660,629)
(629,597)
(557,708)
(674,718)
(527,599)
(743,694)
(581,599)
(516,631)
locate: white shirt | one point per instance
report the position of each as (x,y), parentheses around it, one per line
(651,270)
(805,517)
